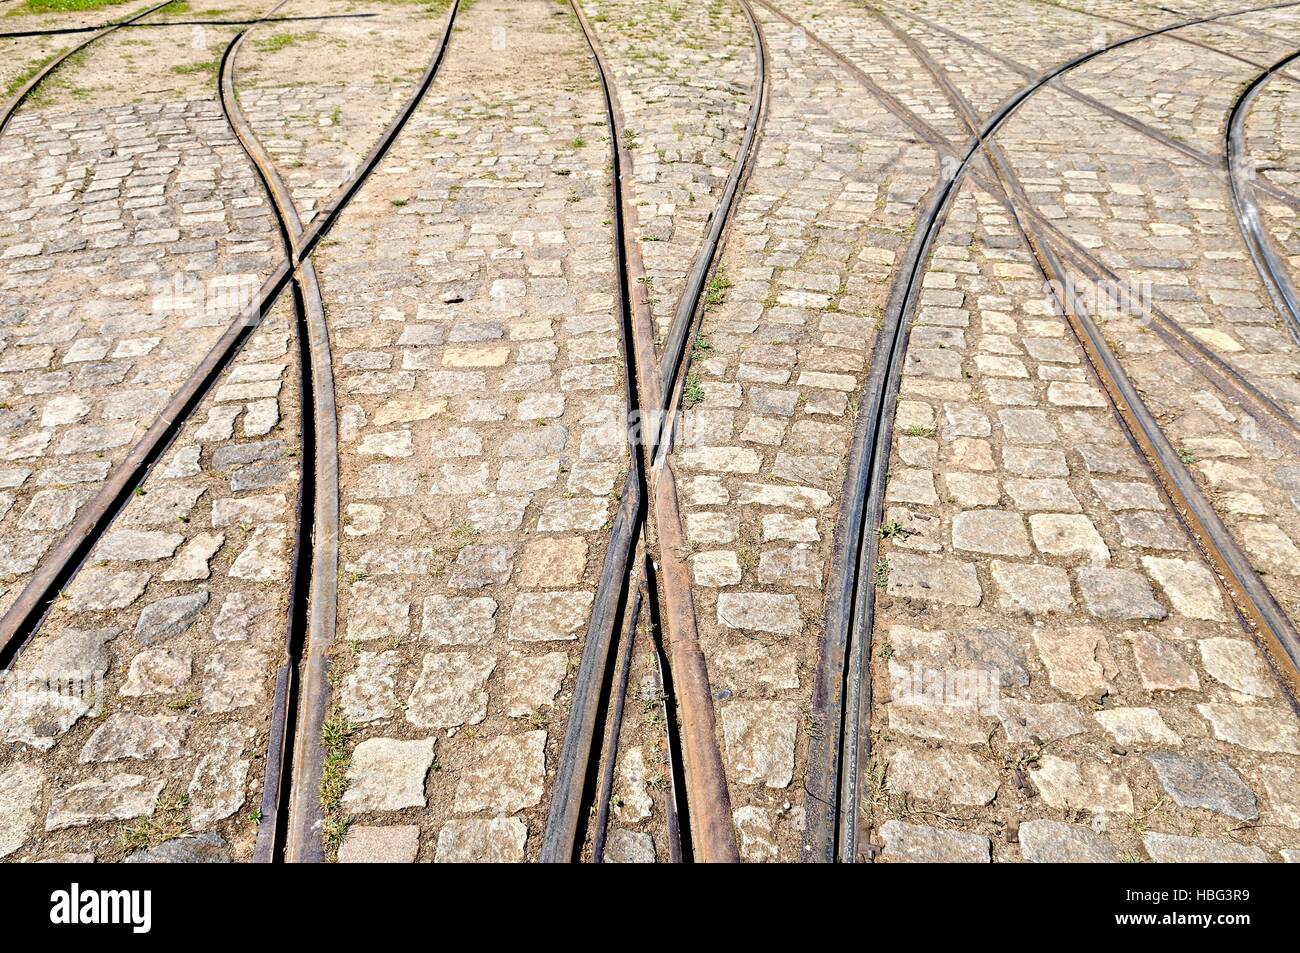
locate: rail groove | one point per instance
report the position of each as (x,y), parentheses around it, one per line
(11,107)
(842,690)
(1242,181)
(650,499)
(28,611)
(313,589)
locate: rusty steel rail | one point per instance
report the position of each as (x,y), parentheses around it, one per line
(842,687)
(11,107)
(654,391)
(563,837)
(1213,162)
(1242,182)
(1216,370)
(1257,607)
(302,695)
(252,21)
(28,611)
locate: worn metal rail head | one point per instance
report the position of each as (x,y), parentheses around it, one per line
(302,690)
(841,696)
(1263,252)
(11,107)
(658,390)
(300,700)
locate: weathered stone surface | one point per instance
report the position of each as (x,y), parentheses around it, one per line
(238,612)
(760,612)
(21,788)
(52,689)
(1024,721)
(1087,785)
(549,616)
(1213,786)
(914,843)
(459,621)
(748,662)
(379,611)
(1078,661)
(451,690)
(760,739)
(960,723)
(551,562)
(1035,589)
(481,565)
(950,777)
(499,840)
(1137,727)
(1064,534)
(996,532)
(1177,849)
(96,589)
(628,847)
(1237,664)
(264,558)
(128,545)
(199,849)
(635,801)
(141,737)
(1259,729)
(118,798)
(398,844)
(1282,787)
(506,774)
(757,837)
(1161,666)
(370,689)
(1051,842)
(1190,587)
(938,579)
(192,561)
(387,775)
(220,780)
(168,617)
(1118,594)
(532,682)
(234,676)
(158,672)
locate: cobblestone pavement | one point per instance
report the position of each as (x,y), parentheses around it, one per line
(317,133)
(779,362)
(1057,670)
(473,312)
(685,78)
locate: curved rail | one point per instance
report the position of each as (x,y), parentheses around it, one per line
(659,386)
(67,30)
(49,67)
(27,612)
(1253,599)
(1241,178)
(841,697)
(313,589)
(1222,375)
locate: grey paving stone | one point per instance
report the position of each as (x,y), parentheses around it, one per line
(1213,786)
(914,843)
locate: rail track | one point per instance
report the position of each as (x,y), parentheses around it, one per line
(644,574)
(11,107)
(134,24)
(1241,177)
(649,500)
(841,699)
(291,825)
